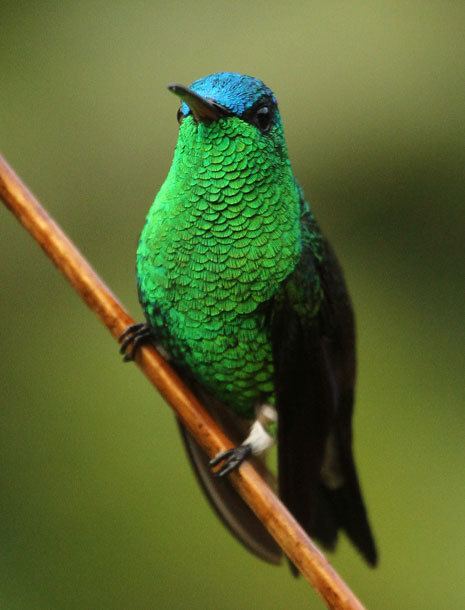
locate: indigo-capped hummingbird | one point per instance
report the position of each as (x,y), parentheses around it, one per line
(245,297)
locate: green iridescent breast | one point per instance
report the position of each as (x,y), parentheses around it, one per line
(222,234)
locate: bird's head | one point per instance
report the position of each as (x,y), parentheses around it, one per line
(230,106)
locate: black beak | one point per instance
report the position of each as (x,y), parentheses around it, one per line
(204,111)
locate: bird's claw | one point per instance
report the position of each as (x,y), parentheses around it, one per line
(231,459)
(133,338)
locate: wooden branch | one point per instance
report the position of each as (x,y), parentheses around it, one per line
(277,519)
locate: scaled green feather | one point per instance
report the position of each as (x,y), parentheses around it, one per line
(223,233)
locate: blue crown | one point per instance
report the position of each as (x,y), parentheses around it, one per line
(237,92)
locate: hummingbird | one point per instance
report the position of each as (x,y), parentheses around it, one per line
(245,297)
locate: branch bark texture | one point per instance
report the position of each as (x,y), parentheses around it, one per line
(99,298)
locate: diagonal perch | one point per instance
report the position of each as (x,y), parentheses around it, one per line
(273,514)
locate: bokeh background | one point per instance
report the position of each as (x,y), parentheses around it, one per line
(98,507)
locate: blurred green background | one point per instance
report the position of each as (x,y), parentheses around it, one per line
(98,507)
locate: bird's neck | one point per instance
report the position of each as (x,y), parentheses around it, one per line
(226,217)
(227,183)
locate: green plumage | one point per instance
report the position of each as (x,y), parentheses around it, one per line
(221,236)
(247,298)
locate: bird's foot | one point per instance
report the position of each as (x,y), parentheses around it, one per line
(133,338)
(230,459)
(261,437)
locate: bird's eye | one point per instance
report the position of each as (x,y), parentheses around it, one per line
(179,116)
(263,118)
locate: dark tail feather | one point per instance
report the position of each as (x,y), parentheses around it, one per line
(343,509)
(352,517)
(349,507)
(224,499)
(340,505)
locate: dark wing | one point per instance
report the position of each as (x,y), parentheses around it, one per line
(313,338)
(224,499)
